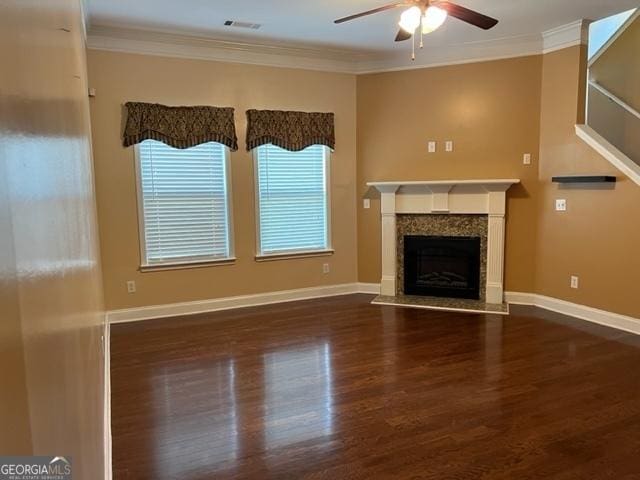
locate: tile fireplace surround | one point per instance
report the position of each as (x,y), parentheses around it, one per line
(454,225)
(445,197)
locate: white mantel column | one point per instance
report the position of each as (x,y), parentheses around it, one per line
(495,247)
(388,210)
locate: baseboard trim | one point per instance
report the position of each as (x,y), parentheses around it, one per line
(520,298)
(108,448)
(583,312)
(226,303)
(373,288)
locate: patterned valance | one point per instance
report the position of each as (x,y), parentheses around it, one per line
(289,130)
(179,127)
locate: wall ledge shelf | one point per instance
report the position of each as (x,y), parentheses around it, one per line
(584,179)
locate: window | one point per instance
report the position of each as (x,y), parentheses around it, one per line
(292,200)
(183,197)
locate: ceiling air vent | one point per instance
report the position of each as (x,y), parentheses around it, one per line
(235,23)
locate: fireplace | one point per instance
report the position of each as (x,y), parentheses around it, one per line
(441,266)
(473,208)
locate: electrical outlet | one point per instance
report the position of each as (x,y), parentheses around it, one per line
(131,286)
(325,268)
(574,281)
(367,203)
(526,159)
(431,147)
(448,146)
(561,205)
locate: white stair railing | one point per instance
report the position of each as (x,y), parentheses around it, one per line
(614,156)
(614,98)
(612,124)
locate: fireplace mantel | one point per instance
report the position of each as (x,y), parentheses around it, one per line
(442,197)
(491,182)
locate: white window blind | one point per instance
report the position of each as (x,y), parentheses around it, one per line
(183,195)
(292,199)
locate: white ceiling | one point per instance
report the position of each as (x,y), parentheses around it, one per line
(310,22)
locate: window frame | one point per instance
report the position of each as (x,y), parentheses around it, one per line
(193,262)
(293,253)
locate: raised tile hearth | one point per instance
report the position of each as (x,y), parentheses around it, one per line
(444,207)
(439,303)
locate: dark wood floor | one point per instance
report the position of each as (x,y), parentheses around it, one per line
(341,389)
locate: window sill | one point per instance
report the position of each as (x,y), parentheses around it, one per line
(186,265)
(292,255)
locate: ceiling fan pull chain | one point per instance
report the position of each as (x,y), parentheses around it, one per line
(421,33)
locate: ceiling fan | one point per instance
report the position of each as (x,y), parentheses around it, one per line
(429,15)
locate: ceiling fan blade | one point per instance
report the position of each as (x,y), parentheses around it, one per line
(402,35)
(369,12)
(466,15)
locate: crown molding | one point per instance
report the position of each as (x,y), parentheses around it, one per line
(564,36)
(172,44)
(471,52)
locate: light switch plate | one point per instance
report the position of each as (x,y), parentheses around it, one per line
(448,146)
(366,203)
(561,205)
(526,159)
(431,146)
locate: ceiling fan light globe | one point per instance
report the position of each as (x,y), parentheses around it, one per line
(410,19)
(433,19)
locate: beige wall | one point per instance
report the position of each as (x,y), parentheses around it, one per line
(493,111)
(598,236)
(51,280)
(490,111)
(118,78)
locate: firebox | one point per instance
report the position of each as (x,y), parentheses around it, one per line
(442,266)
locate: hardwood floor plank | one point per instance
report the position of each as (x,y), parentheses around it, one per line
(337,388)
